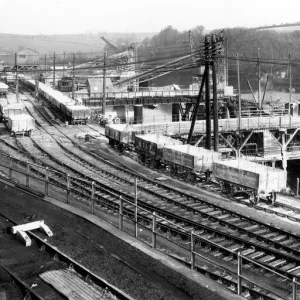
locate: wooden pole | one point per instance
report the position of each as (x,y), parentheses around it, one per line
(239,98)
(251,91)
(64,64)
(135,208)
(73,81)
(53,70)
(207,96)
(194,117)
(215,96)
(258,72)
(290,75)
(17,81)
(104,84)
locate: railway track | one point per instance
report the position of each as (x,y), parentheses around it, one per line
(25,264)
(275,248)
(211,271)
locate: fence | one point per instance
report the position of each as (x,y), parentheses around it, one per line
(157,226)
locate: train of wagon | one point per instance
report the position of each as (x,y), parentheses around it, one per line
(72,112)
(193,164)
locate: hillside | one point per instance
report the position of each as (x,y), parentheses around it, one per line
(47,44)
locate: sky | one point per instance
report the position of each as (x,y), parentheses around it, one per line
(74,16)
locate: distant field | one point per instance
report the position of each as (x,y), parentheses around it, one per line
(283,28)
(46,44)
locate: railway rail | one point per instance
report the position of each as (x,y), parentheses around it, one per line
(213,272)
(25,264)
(275,248)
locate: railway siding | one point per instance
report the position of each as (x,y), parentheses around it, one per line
(210,217)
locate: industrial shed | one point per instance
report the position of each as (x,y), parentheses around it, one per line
(95,85)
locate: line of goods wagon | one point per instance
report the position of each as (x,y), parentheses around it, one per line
(20,124)
(3,88)
(255,179)
(10,109)
(123,135)
(149,148)
(73,113)
(192,163)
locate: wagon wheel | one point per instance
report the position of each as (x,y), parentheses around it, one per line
(120,147)
(117,120)
(273,197)
(173,170)
(111,143)
(193,178)
(254,198)
(156,163)
(187,178)
(226,187)
(142,158)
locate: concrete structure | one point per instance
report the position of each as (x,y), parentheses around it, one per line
(27,56)
(48,79)
(95,85)
(20,231)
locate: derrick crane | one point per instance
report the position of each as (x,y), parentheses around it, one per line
(177,64)
(116,49)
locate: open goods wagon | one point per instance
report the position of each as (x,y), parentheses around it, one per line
(255,179)
(3,88)
(190,162)
(10,109)
(21,124)
(122,135)
(150,148)
(76,114)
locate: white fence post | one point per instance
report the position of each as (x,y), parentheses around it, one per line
(93,198)
(135,209)
(46,181)
(154,230)
(239,273)
(193,256)
(121,223)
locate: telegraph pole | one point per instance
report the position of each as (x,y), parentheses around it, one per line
(54,70)
(73,81)
(290,75)
(226,59)
(207,96)
(258,74)
(104,84)
(136,67)
(45,62)
(36,85)
(17,82)
(64,64)
(215,96)
(239,96)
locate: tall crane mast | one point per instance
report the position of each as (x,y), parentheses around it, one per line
(112,46)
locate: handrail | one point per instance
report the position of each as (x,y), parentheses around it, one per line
(165,221)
